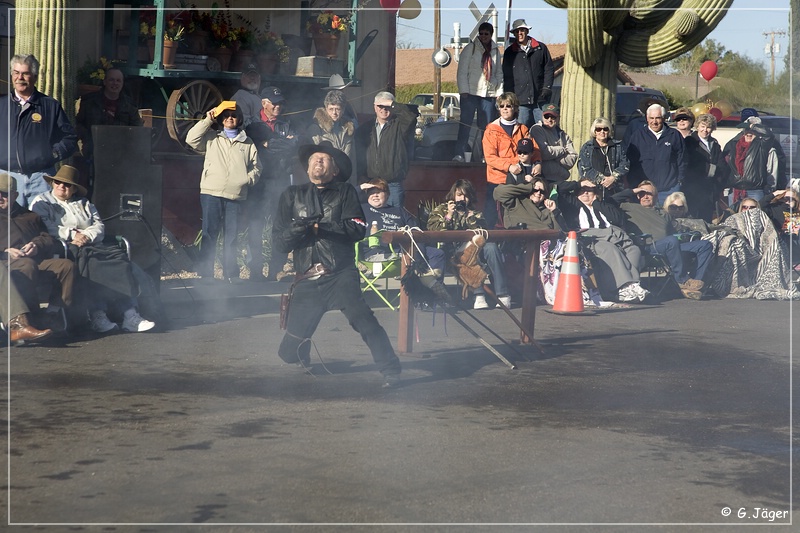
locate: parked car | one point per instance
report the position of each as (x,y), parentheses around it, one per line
(437,132)
(450,109)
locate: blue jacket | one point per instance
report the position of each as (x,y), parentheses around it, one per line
(37,137)
(658,160)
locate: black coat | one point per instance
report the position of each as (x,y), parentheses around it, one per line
(571,207)
(527,74)
(340,219)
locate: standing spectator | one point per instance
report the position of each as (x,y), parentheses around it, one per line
(27,254)
(752,162)
(684,121)
(480,81)
(231,165)
(319,222)
(527,72)
(526,152)
(35,133)
(382,145)
(705,171)
(500,151)
(558,153)
(277,143)
(109,107)
(639,121)
(330,124)
(603,160)
(247,97)
(656,153)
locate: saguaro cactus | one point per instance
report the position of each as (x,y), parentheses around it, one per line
(640,33)
(44,28)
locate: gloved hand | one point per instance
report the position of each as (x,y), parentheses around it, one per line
(544,96)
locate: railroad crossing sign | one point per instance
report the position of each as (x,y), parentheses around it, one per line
(480,17)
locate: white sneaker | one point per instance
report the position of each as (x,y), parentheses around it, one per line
(627,294)
(640,292)
(505,300)
(132,321)
(480,302)
(100,322)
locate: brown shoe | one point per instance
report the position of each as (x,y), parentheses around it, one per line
(692,295)
(19,330)
(692,284)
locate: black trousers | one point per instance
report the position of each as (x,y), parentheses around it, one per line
(340,290)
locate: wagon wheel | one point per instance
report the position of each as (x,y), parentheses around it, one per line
(189,104)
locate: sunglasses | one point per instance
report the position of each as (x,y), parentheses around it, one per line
(374,190)
(504,106)
(676,207)
(484,34)
(384,107)
(226,116)
(746,207)
(540,191)
(598,130)
(587,189)
(549,117)
(67,185)
(642,194)
(3,194)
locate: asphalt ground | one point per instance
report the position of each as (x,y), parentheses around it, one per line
(658,417)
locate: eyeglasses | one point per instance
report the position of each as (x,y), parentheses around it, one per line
(642,194)
(598,130)
(540,191)
(384,107)
(504,106)
(549,117)
(746,207)
(676,207)
(67,185)
(587,189)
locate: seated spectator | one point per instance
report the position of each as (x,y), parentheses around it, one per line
(106,277)
(645,217)
(28,263)
(558,153)
(614,257)
(602,159)
(750,260)
(331,124)
(16,314)
(526,152)
(783,210)
(384,217)
(527,205)
(457,214)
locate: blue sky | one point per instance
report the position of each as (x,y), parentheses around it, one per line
(741,30)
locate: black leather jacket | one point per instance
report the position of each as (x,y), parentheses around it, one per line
(341,225)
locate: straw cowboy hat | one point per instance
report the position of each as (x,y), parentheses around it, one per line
(67,174)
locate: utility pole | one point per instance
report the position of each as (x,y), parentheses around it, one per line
(772,49)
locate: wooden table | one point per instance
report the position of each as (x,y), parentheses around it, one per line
(532,238)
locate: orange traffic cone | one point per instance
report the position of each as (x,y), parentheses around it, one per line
(569,292)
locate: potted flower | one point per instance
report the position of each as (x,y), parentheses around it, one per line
(198,31)
(91,74)
(270,51)
(326,28)
(174,32)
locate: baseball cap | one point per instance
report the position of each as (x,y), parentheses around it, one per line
(524,146)
(552,109)
(224,106)
(273,94)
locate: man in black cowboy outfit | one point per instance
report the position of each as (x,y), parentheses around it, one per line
(320,222)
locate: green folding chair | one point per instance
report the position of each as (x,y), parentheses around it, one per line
(372,272)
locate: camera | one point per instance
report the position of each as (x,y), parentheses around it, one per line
(461,205)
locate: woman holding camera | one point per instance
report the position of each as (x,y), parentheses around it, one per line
(457,213)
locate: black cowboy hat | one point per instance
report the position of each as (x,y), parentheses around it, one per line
(340,158)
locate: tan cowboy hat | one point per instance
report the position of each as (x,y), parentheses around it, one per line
(336,83)
(67,174)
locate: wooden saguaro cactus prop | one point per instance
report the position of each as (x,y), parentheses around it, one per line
(44,28)
(640,33)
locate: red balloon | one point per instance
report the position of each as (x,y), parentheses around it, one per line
(716,112)
(390,5)
(708,70)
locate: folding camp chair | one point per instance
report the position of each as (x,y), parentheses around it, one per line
(372,271)
(656,273)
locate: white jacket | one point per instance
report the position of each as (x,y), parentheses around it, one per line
(470,71)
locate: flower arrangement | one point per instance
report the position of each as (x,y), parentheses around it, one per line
(201,21)
(174,29)
(147,23)
(328,22)
(94,72)
(270,43)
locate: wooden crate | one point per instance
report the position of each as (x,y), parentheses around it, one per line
(318,66)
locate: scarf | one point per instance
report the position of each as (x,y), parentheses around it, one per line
(508,126)
(486,60)
(741,153)
(229,133)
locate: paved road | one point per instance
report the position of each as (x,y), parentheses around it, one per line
(662,414)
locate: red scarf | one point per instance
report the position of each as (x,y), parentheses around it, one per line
(741,153)
(486,61)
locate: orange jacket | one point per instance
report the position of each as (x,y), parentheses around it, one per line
(500,150)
